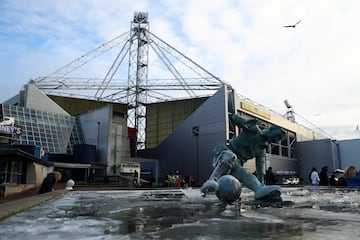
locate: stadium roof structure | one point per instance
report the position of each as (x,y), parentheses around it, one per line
(119,71)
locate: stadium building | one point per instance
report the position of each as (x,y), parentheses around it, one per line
(94,144)
(104,140)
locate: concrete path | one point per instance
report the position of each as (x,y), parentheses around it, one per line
(19,202)
(10,208)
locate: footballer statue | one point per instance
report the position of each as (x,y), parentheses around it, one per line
(228,161)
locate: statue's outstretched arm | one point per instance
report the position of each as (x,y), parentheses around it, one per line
(238,121)
(250,124)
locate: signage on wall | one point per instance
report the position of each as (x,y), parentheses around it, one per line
(258,111)
(7,127)
(129,167)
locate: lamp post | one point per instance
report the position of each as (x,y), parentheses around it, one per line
(196,132)
(98,135)
(290,112)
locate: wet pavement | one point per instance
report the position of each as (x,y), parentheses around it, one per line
(21,202)
(309,213)
(20,195)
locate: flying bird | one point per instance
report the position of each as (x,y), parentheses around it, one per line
(293,26)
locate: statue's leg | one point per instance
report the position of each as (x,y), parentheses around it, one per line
(262,191)
(226,161)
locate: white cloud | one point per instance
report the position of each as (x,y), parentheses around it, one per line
(314,66)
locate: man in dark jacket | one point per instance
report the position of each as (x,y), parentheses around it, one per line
(270,178)
(49,182)
(324,178)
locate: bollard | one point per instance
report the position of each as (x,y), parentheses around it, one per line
(238,205)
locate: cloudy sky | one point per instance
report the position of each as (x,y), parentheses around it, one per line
(314,66)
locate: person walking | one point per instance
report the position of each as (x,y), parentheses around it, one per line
(324,178)
(352,176)
(315,179)
(270,178)
(135,179)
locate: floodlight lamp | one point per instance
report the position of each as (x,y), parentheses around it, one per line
(141,17)
(287,104)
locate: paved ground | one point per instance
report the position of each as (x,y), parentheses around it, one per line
(19,202)
(25,200)
(20,195)
(59,186)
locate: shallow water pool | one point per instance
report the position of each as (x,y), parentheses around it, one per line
(315,213)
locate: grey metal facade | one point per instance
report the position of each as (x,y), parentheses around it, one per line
(327,152)
(317,153)
(95,125)
(189,148)
(349,153)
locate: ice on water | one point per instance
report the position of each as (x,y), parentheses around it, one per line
(316,213)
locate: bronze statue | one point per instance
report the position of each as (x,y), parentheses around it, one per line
(229,160)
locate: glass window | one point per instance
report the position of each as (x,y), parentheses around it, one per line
(47,129)
(275,149)
(284,151)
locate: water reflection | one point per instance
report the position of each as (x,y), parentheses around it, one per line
(315,213)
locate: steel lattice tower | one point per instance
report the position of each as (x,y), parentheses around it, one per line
(186,78)
(138,75)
